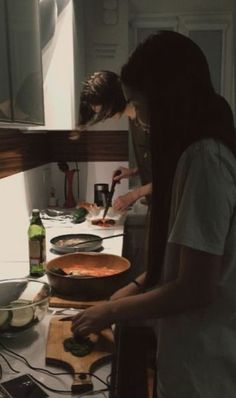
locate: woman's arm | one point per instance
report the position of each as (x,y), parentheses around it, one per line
(144,190)
(124,201)
(194,287)
(125,172)
(134,287)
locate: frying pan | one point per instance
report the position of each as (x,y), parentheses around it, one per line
(67,243)
(87,288)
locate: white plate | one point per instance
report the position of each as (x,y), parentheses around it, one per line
(97,213)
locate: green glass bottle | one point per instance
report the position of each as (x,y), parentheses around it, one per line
(37,252)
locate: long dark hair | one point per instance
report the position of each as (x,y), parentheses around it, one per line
(101,88)
(171,71)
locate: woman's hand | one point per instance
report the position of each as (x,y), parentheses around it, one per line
(124,173)
(124,201)
(129,290)
(92,320)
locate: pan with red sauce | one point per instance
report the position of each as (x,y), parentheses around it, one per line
(92,271)
(100,222)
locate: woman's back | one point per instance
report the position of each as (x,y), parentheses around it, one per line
(197,349)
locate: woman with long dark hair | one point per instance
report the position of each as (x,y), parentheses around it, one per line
(102,98)
(190,281)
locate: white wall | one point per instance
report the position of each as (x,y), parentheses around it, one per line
(106,47)
(59,74)
(106,44)
(20,193)
(79,51)
(89,174)
(150,6)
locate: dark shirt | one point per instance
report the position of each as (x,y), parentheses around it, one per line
(141,147)
(140,140)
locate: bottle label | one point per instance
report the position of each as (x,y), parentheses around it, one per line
(36,232)
(37,256)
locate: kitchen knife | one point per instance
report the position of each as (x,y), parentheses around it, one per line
(67,318)
(111,193)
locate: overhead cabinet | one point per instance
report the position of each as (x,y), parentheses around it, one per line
(40,45)
(60,54)
(5,109)
(21,79)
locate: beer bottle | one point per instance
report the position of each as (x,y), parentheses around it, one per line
(36,237)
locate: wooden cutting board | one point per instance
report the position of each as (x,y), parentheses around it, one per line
(57,356)
(60,302)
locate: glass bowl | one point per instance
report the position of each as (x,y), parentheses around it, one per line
(23,303)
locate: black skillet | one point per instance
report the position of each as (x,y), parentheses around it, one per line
(71,243)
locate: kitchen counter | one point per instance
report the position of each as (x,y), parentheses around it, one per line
(111,246)
(19,269)
(31,344)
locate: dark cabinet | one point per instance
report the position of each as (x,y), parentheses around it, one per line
(5,109)
(21,79)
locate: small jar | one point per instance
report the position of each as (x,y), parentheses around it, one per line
(101,191)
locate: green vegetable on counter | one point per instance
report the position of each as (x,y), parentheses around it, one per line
(80,347)
(79,214)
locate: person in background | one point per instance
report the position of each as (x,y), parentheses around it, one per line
(189,286)
(102,98)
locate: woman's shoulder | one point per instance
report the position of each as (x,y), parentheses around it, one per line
(210,153)
(209,147)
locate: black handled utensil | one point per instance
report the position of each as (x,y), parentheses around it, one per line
(111,193)
(94,240)
(63,166)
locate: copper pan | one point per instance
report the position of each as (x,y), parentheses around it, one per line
(89,287)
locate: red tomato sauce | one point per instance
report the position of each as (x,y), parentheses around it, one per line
(77,269)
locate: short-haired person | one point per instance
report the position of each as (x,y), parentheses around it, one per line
(102,98)
(191,276)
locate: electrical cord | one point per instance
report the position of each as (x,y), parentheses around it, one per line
(67,391)
(8,363)
(102,391)
(49,371)
(108,379)
(52,374)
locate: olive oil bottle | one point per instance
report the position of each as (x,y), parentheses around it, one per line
(36,237)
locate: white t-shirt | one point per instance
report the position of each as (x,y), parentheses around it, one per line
(197,350)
